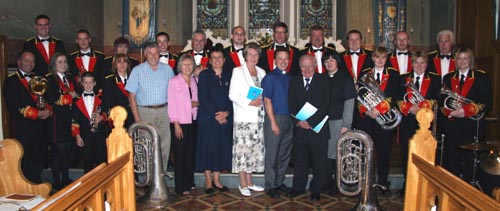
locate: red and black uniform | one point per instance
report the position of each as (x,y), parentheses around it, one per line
(434,60)
(382,139)
(94,150)
(42,60)
(59,125)
(95,66)
(170,59)
(25,125)
(114,94)
(266,59)
(476,87)
(231,58)
(392,61)
(364,61)
(309,50)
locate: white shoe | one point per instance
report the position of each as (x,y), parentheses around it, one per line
(244,191)
(255,187)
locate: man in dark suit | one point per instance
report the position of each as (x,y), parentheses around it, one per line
(280,38)
(26,119)
(356,58)
(198,51)
(86,59)
(317,48)
(166,57)
(442,61)
(387,79)
(428,85)
(400,59)
(234,53)
(309,146)
(43,46)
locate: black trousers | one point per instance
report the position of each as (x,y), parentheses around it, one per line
(184,155)
(60,162)
(94,151)
(308,151)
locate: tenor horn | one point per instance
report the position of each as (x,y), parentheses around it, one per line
(370,96)
(148,165)
(355,169)
(38,86)
(454,101)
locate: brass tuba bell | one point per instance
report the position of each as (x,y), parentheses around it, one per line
(38,86)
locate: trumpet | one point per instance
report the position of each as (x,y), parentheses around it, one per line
(370,96)
(454,101)
(38,86)
(93,120)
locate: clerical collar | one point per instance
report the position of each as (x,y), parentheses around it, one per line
(333,73)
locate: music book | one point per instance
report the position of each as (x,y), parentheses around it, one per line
(254,92)
(305,112)
(320,124)
(17,201)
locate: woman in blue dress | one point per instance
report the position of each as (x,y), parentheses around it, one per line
(215,122)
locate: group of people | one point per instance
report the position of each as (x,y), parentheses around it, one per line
(234,109)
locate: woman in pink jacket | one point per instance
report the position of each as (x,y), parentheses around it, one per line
(182,110)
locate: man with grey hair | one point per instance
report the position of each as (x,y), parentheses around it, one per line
(442,61)
(147,86)
(200,55)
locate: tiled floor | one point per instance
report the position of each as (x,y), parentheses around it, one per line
(260,201)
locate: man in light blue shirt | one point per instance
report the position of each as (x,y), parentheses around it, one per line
(147,87)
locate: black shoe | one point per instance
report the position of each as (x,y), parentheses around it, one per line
(315,197)
(209,190)
(283,188)
(223,189)
(401,192)
(295,193)
(332,192)
(384,192)
(273,193)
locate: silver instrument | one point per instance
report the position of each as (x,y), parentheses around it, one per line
(148,165)
(355,169)
(370,96)
(38,86)
(93,120)
(413,96)
(454,101)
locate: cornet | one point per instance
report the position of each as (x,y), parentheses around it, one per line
(39,86)
(93,120)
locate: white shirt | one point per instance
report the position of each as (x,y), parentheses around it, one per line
(62,77)
(318,55)
(124,79)
(197,58)
(45,45)
(445,66)
(240,56)
(402,62)
(86,60)
(89,103)
(354,60)
(164,60)
(380,72)
(420,79)
(305,82)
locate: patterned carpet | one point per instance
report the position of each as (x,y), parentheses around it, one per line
(260,201)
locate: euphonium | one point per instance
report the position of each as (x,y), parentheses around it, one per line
(370,96)
(148,165)
(355,169)
(454,101)
(39,86)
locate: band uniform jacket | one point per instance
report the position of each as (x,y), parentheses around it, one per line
(309,50)
(231,58)
(114,94)
(204,62)
(266,59)
(42,60)
(434,63)
(364,61)
(96,65)
(429,89)
(392,61)
(108,64)
(58,96)
(389,84)
(318,95)
(477,87)
(81,118)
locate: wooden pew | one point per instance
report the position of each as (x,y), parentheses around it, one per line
(108,185)
(426,181)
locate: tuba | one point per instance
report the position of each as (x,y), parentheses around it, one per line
(148,166)
(38,86)
(454,101)
(355,169)
(370,96)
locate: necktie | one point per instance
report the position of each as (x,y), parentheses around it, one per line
(378,78)
(43,40)
(85,54)
(307,84)
(417,83)
(403,53)
(319,49)
(88,94)
(462,81)
(65,81)
(352,53)
(445,57)
(26,75)
(166,56)
(124,81)
(198,54)
(282,47)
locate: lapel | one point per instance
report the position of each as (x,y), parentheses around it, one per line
(171,62)
(121,86)
(81,106)
(469,81)
(204,58)
(384,80)
(361,61)
(92,62)
(24,82)
(41,49)
(312,53)
(437,64)
(234,56)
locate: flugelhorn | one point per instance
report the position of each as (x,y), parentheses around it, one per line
(454,101)
(370,96)
(148,165)
(355,169)
(39,86)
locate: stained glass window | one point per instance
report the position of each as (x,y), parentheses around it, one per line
(262,15)
(213,15)
(315,12)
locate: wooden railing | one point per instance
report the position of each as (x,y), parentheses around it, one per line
(108,185)
(428,185)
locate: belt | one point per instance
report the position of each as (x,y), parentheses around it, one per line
(155,106)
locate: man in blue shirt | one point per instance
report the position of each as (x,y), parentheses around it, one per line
(277,124)
(147,86)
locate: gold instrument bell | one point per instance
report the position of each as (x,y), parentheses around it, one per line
(39,86)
